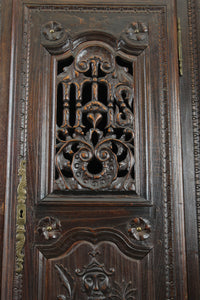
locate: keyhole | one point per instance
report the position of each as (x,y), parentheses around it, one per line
(21,213)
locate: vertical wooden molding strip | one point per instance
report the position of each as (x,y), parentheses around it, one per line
(180,51)
(22,186)
(21,217)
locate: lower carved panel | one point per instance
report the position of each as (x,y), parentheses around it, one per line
(97,272)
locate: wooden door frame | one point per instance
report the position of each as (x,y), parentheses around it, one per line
(189,13)
(190,117)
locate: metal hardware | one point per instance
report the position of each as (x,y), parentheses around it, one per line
(21,217)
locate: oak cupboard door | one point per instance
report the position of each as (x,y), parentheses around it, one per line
(97,179)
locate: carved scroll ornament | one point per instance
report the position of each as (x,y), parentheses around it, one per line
(95,107)
(95,142)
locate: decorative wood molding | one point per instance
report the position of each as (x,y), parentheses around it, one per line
(195,97)
(94,236)
(180,50)
(165,133)
(133,39)
(22,187)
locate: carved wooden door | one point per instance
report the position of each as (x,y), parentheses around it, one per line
(97,184)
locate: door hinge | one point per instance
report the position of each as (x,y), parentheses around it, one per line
(180,51)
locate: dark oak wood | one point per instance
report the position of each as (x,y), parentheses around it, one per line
(100,163)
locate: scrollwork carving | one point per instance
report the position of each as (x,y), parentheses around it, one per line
(95,143)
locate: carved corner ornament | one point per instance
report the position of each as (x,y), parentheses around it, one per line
(21,217)
(140,229)
(136,36)
(54,37)
(49,228)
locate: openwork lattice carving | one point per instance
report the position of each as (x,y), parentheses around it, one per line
(95,121)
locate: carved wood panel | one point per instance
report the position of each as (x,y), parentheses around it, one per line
(99,87)
(92,279)
(97,90)
(104,137)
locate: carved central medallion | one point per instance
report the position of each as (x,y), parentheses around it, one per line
(96,282)
(95,121)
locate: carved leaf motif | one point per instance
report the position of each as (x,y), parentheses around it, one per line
(123,291)
(96,282)
(66,280)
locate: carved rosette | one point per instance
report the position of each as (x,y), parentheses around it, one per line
(135,36)
(53,35)
(140,229)
(137,31)
(49,228)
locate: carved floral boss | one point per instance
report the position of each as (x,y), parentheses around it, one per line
(95,122)
(49,228)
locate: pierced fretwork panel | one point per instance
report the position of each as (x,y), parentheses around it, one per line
(95,121)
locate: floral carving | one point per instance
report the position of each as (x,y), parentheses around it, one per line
(49,228)
(52,31)
(96,283)
(95,142)
(125,291)
(140,229)
(67,281)
(137,31)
